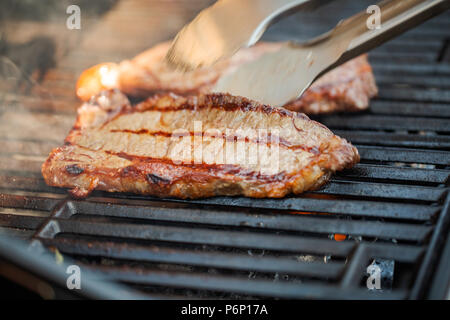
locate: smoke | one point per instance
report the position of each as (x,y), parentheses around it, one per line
(37,112)
(19,125)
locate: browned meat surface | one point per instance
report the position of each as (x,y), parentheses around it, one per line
(347,88)
(197,146)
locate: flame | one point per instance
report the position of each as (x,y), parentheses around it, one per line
(100,77)
(340,237)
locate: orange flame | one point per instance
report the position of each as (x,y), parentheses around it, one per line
(100,77)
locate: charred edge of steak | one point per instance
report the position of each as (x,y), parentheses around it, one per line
(154,178)
(74,169)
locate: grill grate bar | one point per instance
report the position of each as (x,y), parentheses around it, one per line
(412,81)
(418,94)
(386,123)
(382,190)
(347,207)
(395,139)
(14,182)
(408,46)
(27,202)
(404,155)
(412,57)
(335,187)
(32,166)
(441,279)
(411,175)
(432,254)
(233,239)
(243,285)
(425,69)
(17,233)
(124,251)
(410,108)
(304,223)
(26,147)
(21,222)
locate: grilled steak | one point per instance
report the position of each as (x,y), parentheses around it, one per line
(197,146)
(347,88)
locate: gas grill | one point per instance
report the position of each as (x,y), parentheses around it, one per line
(392,210)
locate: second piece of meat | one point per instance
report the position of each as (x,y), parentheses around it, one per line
(349,87)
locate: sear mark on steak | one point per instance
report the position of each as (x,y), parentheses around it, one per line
(74,169)
(154,178)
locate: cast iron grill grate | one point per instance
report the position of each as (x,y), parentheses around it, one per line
(393,207)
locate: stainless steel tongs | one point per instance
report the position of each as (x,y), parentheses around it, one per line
(279,77)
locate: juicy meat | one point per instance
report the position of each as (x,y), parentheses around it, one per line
(192,147)
(349,87)
(346,88)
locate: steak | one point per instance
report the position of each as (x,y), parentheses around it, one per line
(198,146)
(349,87)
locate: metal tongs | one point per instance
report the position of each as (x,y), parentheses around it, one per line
(282,76)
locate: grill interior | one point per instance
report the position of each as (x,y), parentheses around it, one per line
(392,208)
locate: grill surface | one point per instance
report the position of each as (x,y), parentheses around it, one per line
(393,207)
